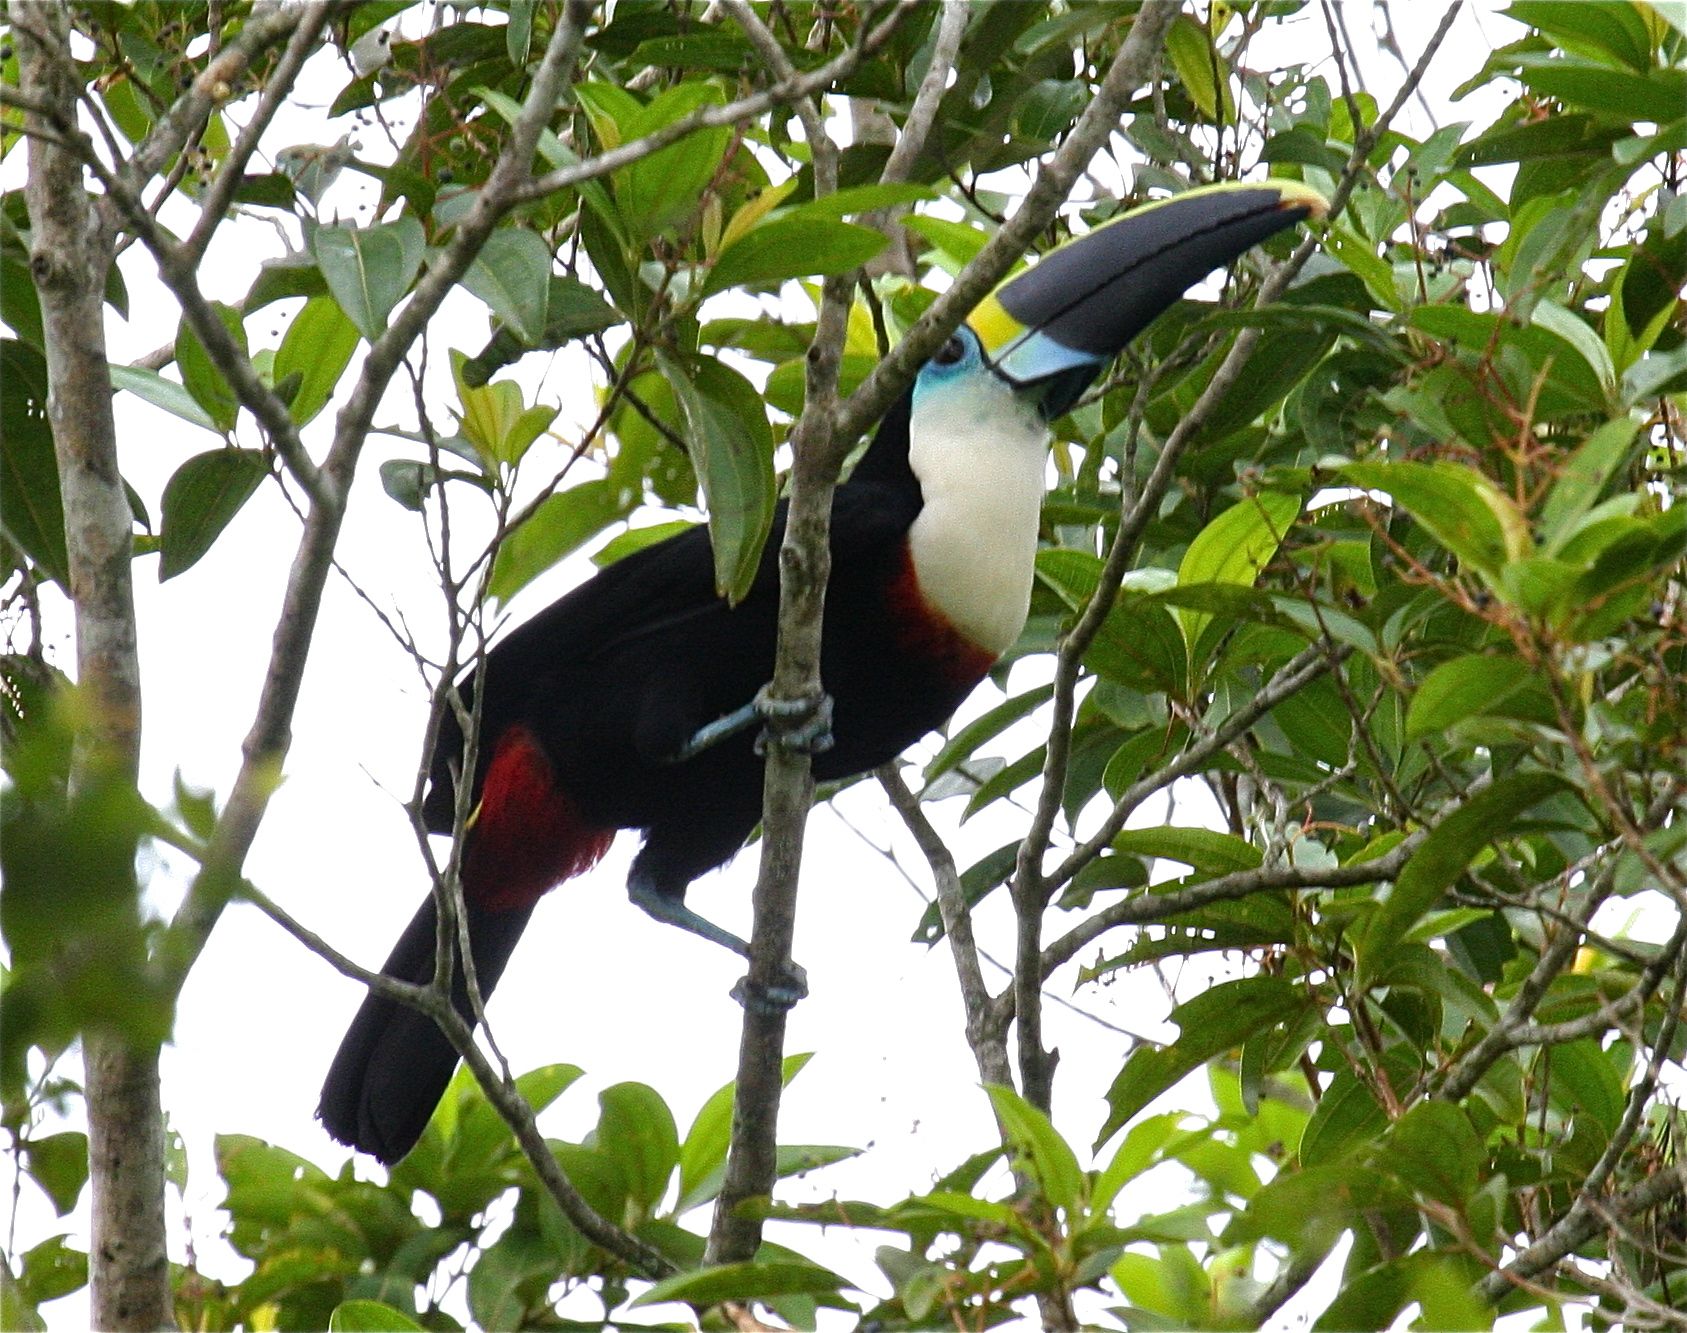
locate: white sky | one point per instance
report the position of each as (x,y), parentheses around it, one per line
(596,983)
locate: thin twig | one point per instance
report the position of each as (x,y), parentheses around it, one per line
(989,1046)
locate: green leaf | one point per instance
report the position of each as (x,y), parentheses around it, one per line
(1309,1208)
(17,1311)
(58,1163)
(317,346)
(559,526)
(743,1282)
(408,481)
(1463,688)
(1137,1151)
(1200,69)
(636,1130)
(20,307)
(624,544)
(1173,1286)
(1574,330)
(369,1317)
(856,199)
(52,1270)
(1435,1152)
(1584,1080)
(199,500)
(792,248)
(731,447)
(1348,1116)
(956,242)
(703,1153)
(1052,1159)
(160,392)
(963,743)
(1222,1017)
(518,33)
(278,279)
(31,509)
(1443,856)
(1046,111)
(1139,644)
(201,377)
(1654,374)
(1234,548)
(1440,1284)
(369,269)
(1583,478)
(1457,506)
(668,186)
(1657,95)
(1206,851)
(512,275)
(510,1277)
(1360,257)
(574,310)
(1616,30)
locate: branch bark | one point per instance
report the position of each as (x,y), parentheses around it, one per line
(788,783)
(986,1037)
(821,440)
(71,252)
(500,1090)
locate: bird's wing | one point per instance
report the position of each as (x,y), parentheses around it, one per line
(665,589)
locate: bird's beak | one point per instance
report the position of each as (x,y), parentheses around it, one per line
(1049,330)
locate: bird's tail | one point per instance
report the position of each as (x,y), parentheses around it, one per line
(394,1063)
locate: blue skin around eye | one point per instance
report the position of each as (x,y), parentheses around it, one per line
(934,373)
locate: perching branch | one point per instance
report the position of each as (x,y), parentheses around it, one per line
(821,439)
(788,784)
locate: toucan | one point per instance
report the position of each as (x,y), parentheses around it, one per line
(632,702)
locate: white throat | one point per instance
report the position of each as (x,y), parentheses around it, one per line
(979,452)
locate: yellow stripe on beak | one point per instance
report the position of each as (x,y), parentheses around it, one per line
(994,326)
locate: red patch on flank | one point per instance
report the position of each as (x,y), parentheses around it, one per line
(926,633)
(528,836)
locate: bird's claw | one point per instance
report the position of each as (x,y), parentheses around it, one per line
(802,726)
(779,998)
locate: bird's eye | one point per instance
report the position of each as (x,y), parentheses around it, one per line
(951,352)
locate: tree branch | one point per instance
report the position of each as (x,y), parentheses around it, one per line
(986,1037)
(300,46)
(1157,907)
(1581,1223)
(434,1000)
(70,256)
(788,782)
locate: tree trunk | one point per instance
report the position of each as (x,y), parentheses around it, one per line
(71,253)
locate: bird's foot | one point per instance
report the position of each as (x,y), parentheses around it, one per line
(779,998)
(803,726)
